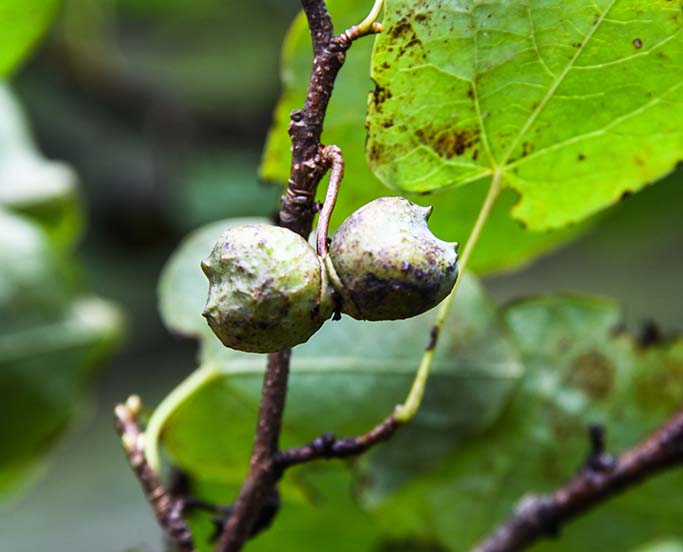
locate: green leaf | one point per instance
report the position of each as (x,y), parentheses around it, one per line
(573,104)
(50,340)
(345,379)
(44,191)
(43,370)
(504,242)
(34,280)
(51,335)
(23,21)
(579,369)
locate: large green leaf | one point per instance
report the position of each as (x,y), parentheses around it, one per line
(50,341)
(579,369)
(572,103)
(504,242)
(43,370)
(23,21)
(51,335)
(345,379)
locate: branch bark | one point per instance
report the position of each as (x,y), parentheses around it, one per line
(602,477)
(309,165)
(167,508)
(327,446)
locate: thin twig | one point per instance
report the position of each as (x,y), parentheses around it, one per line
(334,156)
(543,515)
(167,508)
(327,446)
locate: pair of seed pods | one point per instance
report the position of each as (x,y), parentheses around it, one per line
(270,290)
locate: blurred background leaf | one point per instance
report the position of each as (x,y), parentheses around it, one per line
(52,335)
(23,23)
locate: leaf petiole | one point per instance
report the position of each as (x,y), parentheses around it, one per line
(409,408)
(196,380)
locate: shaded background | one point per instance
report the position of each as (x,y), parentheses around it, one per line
(162,107)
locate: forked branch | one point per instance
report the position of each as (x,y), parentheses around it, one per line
(310,161)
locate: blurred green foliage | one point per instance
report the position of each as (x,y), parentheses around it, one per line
(52,334)
(23,22)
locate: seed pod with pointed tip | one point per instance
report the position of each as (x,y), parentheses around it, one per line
(268,290)
(386,264)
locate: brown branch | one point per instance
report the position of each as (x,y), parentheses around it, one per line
(602,477)
(327,446)
(297,211)
(167,508)
(306,125)
(262,476)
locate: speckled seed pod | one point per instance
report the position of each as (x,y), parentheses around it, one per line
(386,264)
(268,290)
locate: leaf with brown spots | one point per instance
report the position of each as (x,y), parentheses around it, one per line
(504,243)
(524,90)
(578,371)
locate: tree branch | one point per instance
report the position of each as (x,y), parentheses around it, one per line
(306,125)
(262,476)
(327,446)
(602,477)
(167,508)
(297,211)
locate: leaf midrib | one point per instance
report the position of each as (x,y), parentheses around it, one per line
(551,91)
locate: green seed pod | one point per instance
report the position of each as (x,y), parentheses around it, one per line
(268,289)
(386,264)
